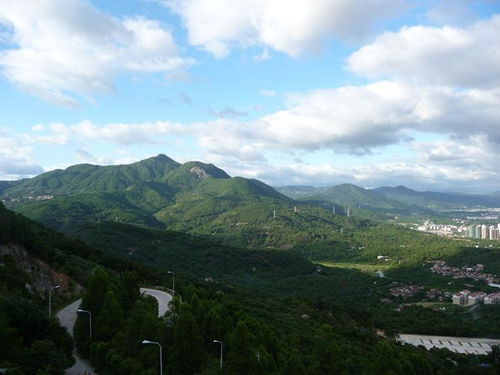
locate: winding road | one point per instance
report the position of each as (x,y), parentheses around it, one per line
(67,319)
(163,299)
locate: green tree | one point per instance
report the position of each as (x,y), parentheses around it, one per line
(187,346)
(108,321)
(384,360)
(241,358)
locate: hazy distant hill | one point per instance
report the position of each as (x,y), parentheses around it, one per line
(296,191)
(349,195)
(200,198)
(436,200)
(4,185)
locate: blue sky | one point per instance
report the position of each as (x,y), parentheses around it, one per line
(316,92)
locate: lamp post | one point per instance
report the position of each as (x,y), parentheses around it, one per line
(50,299)
(221,350)
(146,342)
(173,281)
(90,320)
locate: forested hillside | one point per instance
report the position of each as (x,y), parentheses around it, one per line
(275,312)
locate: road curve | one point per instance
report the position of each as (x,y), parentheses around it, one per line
(163,299)
(67,318)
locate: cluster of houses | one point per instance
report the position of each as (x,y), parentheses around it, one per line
(466,298)
(405,291)
(474,272)
(408,291)
(30,197)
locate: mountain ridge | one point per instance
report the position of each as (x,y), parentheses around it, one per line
(437,200)
(88,177)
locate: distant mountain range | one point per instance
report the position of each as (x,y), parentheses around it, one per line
(348,195)
(156,193)
(439,201)
(385,198)
(199,198)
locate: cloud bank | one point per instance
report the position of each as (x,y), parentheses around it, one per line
(444,56)
(292,27)
(59,49)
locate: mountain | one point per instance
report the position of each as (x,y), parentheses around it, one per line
(89,178)
(296,191)
(437,200)
(4,185)
(188,175)
(158,193)
(349,195)
(276,298)
(195,198)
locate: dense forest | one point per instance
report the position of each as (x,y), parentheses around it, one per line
(264,331)
(258,338)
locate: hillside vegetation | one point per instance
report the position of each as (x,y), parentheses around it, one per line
(300,318)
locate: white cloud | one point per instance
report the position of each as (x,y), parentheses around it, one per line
(16,159)
(265,55)
(119,133)
(357,119)
(14,169)
(38,127)
(450,56)
(68,48)
(476,173)
(119,157)
(351,119)
(268,93)
(454,12)
(292,27)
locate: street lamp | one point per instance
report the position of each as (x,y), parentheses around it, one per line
(173,281)
(50,299)
(221,350)
(90,320)
(161,358)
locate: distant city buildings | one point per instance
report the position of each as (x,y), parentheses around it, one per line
(29,198)
(477,231)
(492,299)
(448,230)
(484,232)
(474,272)
(405,291)
(466,298)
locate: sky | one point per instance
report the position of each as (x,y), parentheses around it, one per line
(291,92)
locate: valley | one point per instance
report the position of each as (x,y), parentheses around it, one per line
(299,267)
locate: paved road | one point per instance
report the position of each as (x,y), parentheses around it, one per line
(163,299)
(67,318)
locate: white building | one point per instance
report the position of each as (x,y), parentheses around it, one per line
(484,232)
(492,299)
(494,233)
(461,298)
(476,298)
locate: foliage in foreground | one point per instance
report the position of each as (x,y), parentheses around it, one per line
(264,337)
